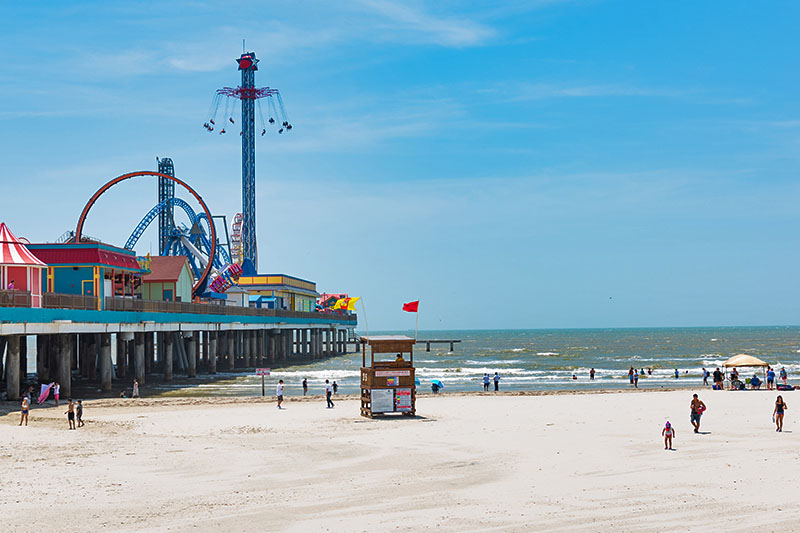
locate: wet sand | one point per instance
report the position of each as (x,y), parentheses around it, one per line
(469,462)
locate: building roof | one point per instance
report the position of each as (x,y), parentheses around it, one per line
(325,297)
(14,252)
(166,269)
(86,253)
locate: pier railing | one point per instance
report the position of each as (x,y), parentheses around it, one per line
(54,300)
(15,298)
(156,306)
(51,300)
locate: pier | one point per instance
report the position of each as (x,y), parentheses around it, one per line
(157,338)
(428,342)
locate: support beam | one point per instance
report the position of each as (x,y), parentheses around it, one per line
(65,365)
(270,346)
(138,357)
(212,352)
(94,357)
(3,343)
(191,354)
(12,367)
(253,349)
(230,346)
(246,349)
(149,353)
(159,351)
(168,355)
(105,362)
(206,335)
(122,357)
(23,363)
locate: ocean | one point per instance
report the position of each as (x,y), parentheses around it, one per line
(545,359)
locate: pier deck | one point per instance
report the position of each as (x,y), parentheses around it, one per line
(154,337)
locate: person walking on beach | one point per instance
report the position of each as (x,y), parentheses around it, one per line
(26,405)
(279,393)
(777,414)
(328,393)
(718,378)
(676,373)
(630,375)
(135,393)
(668,432)
(705,376)
(770,378)
(70,412)
(636,379)
(486,382)
(496,382)
(335,387)
(79,412)
(591,374)
(56,391)
(783,374)
(697,407)
(305,386)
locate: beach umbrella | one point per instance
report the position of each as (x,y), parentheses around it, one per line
(416,381)
(437,383)
(744,360)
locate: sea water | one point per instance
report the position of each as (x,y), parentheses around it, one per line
(545,359)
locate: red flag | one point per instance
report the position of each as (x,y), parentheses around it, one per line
(411,307)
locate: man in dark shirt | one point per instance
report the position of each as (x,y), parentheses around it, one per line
(718,379)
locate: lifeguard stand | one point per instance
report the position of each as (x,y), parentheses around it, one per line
(388,386)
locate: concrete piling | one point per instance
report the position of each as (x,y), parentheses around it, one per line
(65,364)
(12,367)
(191,355)
(168,356)
(230,346)
(105,362)
(212,352)
(138,357)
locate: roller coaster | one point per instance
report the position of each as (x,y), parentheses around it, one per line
(209,260)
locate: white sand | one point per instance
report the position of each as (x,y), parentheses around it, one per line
(506,463)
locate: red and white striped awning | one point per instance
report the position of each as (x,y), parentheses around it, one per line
(13,252)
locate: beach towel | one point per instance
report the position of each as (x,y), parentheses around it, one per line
(45,392)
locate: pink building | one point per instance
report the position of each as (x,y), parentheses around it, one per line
(20,270)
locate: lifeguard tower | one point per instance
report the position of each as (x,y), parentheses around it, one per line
(388,386)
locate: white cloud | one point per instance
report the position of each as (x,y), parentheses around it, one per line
(542,91)
(403,21)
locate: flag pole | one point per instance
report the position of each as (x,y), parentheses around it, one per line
(416,327)
(364,308)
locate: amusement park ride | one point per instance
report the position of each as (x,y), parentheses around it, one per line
(215,269)
(249,97)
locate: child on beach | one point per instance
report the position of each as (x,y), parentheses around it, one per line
(70,412)
(26,405)
(279,393)
(56,391)
(79,412)
(668,432)
(777,414)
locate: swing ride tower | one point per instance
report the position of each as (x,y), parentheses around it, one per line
(248,96)
(248,64)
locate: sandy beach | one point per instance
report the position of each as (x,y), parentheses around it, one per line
(497,463)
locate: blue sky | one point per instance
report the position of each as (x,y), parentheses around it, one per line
(511,164)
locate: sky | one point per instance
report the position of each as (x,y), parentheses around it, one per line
(511,164)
